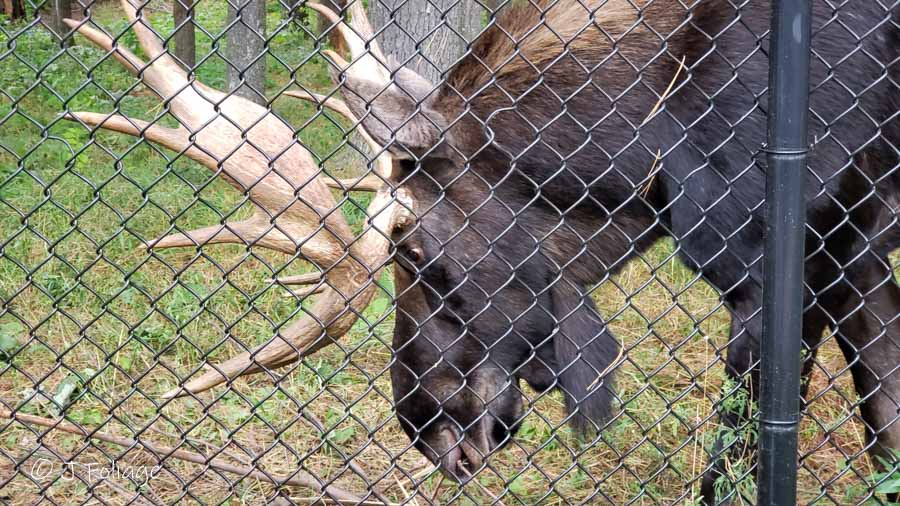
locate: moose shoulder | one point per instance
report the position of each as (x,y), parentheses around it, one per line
(540,166)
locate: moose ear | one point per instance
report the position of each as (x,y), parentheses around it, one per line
(584,350)
(399,114)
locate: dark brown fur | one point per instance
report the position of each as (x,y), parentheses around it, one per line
(529,167)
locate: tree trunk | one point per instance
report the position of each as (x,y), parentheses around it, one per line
(14,9)
(55,12)
(185,41)
(422,48)
(245,49)
(80,8)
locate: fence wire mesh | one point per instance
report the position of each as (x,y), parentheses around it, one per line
(475,253)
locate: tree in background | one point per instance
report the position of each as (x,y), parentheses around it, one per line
(53,14)
(14,9)
(184,38)
(427,35)
(245,51)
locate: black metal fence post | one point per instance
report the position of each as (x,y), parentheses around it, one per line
(789,56)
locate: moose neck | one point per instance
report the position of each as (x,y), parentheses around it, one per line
(534,131)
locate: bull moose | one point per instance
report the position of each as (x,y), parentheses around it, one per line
(537,168)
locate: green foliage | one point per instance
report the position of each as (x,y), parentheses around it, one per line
(9,340)
(739,443)
(888,482)
(339,426)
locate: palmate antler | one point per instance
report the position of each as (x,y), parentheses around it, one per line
(295,213)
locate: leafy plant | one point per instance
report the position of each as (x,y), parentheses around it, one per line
(9,342)
(338,435)
(889,480)
(67,389)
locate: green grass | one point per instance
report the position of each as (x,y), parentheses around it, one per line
(97,329)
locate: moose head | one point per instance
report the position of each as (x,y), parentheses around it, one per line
(488,292)
(489,279)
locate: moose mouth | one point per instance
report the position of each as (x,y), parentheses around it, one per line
(463,455)
(460,458)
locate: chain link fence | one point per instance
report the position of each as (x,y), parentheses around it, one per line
(478,253)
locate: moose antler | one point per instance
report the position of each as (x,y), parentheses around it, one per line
(368,63)
(294,213)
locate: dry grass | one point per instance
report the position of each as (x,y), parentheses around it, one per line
(83,303)
(671,378)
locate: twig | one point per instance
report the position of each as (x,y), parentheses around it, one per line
(326,500)
(423,473)
(300,479)
(437,489)
(482,487)
(319,426)
(133,497)
(665,94)
(612,364)
(405,493)
(651,175)
(419,470)
(207,444)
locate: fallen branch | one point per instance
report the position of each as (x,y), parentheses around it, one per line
(300,479)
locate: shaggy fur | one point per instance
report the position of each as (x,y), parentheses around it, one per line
(538,187)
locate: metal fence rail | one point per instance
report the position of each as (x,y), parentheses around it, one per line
(468,252)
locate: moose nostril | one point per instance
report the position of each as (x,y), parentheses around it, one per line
(499,434)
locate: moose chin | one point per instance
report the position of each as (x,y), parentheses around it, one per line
(537,169)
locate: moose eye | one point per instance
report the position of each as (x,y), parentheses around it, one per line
(414,255)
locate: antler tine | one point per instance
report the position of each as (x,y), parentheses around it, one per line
(251,232)
(215,138)
(128,59)
(176,139)
(360,22)
(300,279)
(257,153)
(149,41)
(368,60)
(383,161)
(305,336)
(360,184)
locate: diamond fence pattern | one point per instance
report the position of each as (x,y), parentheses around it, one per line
(289,270)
